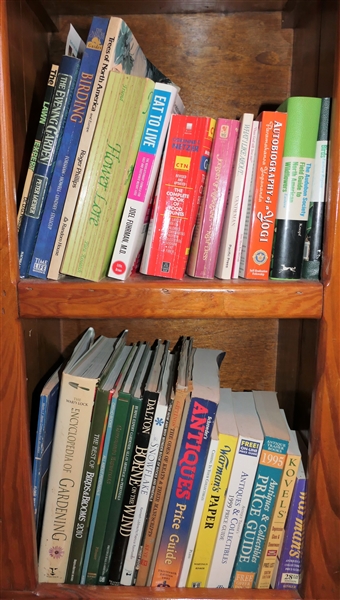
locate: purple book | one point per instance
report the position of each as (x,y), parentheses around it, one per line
(287,573)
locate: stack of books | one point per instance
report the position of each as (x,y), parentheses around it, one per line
(147,472)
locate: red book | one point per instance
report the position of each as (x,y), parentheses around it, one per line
(178,195)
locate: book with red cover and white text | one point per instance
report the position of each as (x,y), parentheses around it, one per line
(178,195)
(208,229)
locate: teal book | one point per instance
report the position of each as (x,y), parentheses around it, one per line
(265,488)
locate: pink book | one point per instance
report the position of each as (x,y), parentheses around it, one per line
(208,229)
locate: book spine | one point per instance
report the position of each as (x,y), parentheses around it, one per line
(268,173)
(178,196)
(113,556)
(112,467)
(109,169)
(289,573)
(38,138)
(231,220)
(234,511)
(208,229)
(295,186)
(46,158)
(161,484)
(132,227)
(71,431)
(262,501)
(208,469)
(314,233)
(248,191)
(184,492)
(128,571)
(212,511)
(68,149)
(277,524)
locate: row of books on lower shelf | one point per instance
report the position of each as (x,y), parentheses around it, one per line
(122,180)
(147,472)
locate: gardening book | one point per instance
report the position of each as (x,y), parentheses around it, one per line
(208,228)
(68,149)
(303,116)
(278,520)
(227,436)
(227,246)
(178,195)
(266,485)
(183,379)
(189,467)
(107,176)
(121,53)
(249,444)
(47,154)
(132,229)
(260,226)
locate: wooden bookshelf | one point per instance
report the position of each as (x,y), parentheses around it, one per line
(228,57)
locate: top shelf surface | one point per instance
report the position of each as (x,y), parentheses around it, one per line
(145,297)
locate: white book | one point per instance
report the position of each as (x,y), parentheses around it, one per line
(239,490)
(231,220)
(128,572)
(76,401)
(132,230)
(247,199)
(199,507)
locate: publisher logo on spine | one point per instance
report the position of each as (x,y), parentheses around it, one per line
(118,267)
(260,257)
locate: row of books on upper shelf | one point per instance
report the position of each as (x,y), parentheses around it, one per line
(125,181)
(147,472)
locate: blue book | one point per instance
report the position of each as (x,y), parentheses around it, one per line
(68,148)
(43,445)
(44,167)
(265,488)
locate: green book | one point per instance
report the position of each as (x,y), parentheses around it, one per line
(295,185)
(92,461)
(107,176)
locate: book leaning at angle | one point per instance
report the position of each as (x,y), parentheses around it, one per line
(227,439)
(132,229)
(295,185)
(278,520)
(189,467)
(77,394)
(208,228)
(67,150)
(249,444)
(107,176)
(226,251)
(48,150)
(265,489)
(178,195)
(122,53)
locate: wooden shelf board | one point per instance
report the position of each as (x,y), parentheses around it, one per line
(145,297)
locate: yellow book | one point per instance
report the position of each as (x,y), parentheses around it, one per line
(277,524)
(214,503)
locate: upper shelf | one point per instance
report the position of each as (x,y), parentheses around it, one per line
(145,297)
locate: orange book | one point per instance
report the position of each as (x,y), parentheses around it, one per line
(260,220)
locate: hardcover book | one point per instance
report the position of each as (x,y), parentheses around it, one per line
(132,229)
(226,251)
(68,149)
(122,53)
(208,228)
(266,485)
(260,227)
(178,195)
(107,176)
(295,185)
(249,444)
(189,467)
(48,150)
